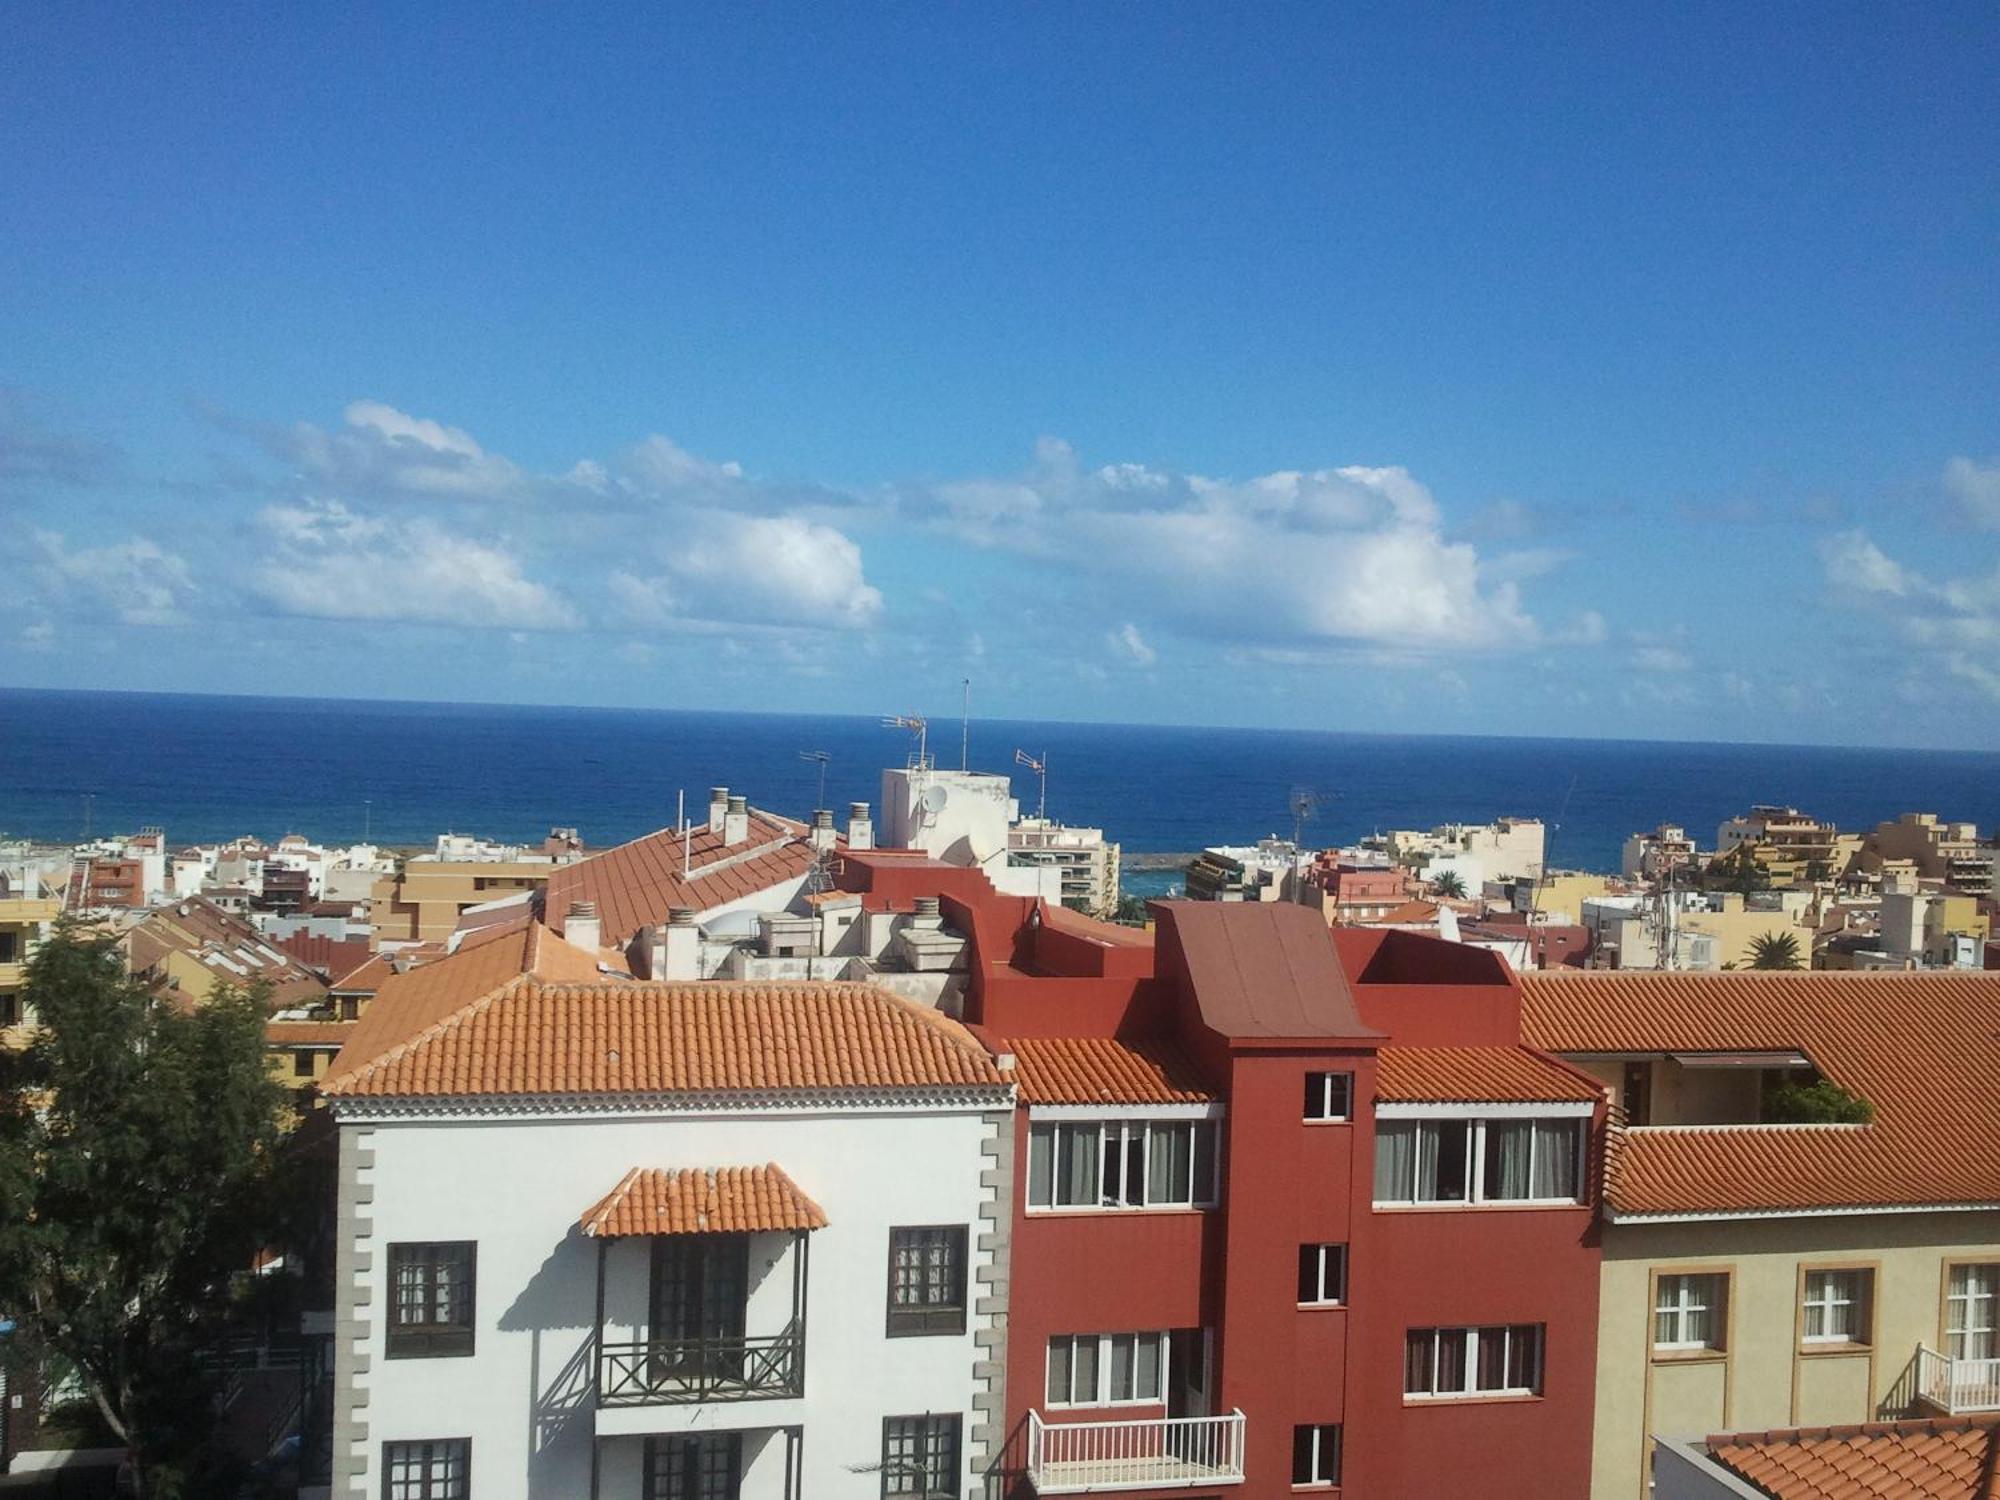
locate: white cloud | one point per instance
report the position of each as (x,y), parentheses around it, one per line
(1127,641)
(381,451)
(1855,563)
(754,570)
(326,562)
(138,582)
(38,636)
(1662,659)
(1976,488)
(1355,554)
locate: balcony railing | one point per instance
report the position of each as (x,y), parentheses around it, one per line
(1070,1457)
(674,1372)
(1956,1386)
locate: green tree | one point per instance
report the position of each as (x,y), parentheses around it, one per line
(1776,950)
(1739,871)
(1131,911)
(137,1151)
(1821,1102)
(1449,884)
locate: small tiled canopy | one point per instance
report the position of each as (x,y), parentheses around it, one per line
(702,1200)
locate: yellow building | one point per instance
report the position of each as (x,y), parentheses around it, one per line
(302,1051)
(190,947)
(1764,1273)
(1948,852)
(26,917)
(422,902)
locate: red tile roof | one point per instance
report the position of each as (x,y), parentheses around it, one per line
(365,977)
(696,1200)
(1919,1460)
(491,1032)
(1098,1070)
(1922,1049)
(1476,1075)
(637,884)
(308,1033)
(324,955)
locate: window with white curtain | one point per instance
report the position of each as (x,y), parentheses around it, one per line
(1121,1164)
(1690,1311)
(1972,1312)
(1107,1369)
(1512,1160)
(1836,1307)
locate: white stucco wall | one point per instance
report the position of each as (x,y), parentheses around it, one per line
(517,1186)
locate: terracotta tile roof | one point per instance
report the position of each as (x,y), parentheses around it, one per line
(365,977)
(697,1200)
(1920,1460)
(490,1033)
(308,1033)
(1476,1075)
(636,884)
(1921,1048)
(1098,1070)
(225,945)
(1409,914)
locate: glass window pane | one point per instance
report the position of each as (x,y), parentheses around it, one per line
(1309,1273)
(1121,1367)
(1556,1158)
(1060,1366)
(1204,1162)
(1419,1358)
(1509,1147)
(1084,1385)
(1451,1360)
(1491,1374)
(1302,1455)
(1041,1165)
(1146,1384)
(1395,1160)
(1076,1165)
(1524,1362)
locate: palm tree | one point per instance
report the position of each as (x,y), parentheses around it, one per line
(1450,885)
(1776,950)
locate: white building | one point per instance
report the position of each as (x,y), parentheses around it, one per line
(1503,848)
(961,818)
(1086,863)
(616,1239)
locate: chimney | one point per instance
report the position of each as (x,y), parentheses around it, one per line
(822,829)
(736,821)
(718,807)
(860,832)
(682,943)
(582,928)
(926,913)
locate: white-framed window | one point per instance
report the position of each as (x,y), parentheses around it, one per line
(1121,1164)
(1972,1312)
(1316,1455)
(1107,1369)
(1453,1160)
(1322,1275)
(1329,1096)
(1836,1307)
(1690,1311)
(1458,1363)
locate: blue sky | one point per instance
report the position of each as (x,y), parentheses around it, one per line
(1595,370)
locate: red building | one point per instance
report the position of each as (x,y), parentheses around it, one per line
(1292,1209)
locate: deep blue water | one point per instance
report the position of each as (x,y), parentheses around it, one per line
(209,768)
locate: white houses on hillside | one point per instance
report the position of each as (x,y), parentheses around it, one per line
(660,1241)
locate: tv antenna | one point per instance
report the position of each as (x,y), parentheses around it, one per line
(1041,769)
(1304,803)
(1548,852)
(819,757)
(920,727)
(965,727)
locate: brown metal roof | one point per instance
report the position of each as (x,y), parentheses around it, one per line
(1263,969)
(698,1200)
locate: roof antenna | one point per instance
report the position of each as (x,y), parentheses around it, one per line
(965,726)
(822,757)
(1548,852)
(918,726)
(1041,770)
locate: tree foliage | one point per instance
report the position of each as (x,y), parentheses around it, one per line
(1450,885)
(137,1154)
(1776,950)
(1821,1102)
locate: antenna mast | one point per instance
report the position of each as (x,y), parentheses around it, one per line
(822,757)
(965,726)
(1041,770)
(919,726)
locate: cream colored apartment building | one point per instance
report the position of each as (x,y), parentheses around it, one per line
(1760,1273)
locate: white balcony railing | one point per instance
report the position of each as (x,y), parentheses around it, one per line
(1955,1386)
(1070,1457)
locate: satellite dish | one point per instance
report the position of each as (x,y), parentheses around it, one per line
(933,800)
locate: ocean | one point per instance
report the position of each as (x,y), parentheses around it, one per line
(209,768)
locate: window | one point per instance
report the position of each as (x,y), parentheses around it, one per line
(302,1063)
(927,1280)
(1504,1360)
(1479,1161)
(1322,1275)
(10,947)
(1106,1369)
(1972,1312)
(1329,1096)
(1316,1454)
(1122,1164)
(435,1469)
(1836,1307)
(1689,1311)
(705,1467)
(430,1299)
(10,1008)
(920,1456)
